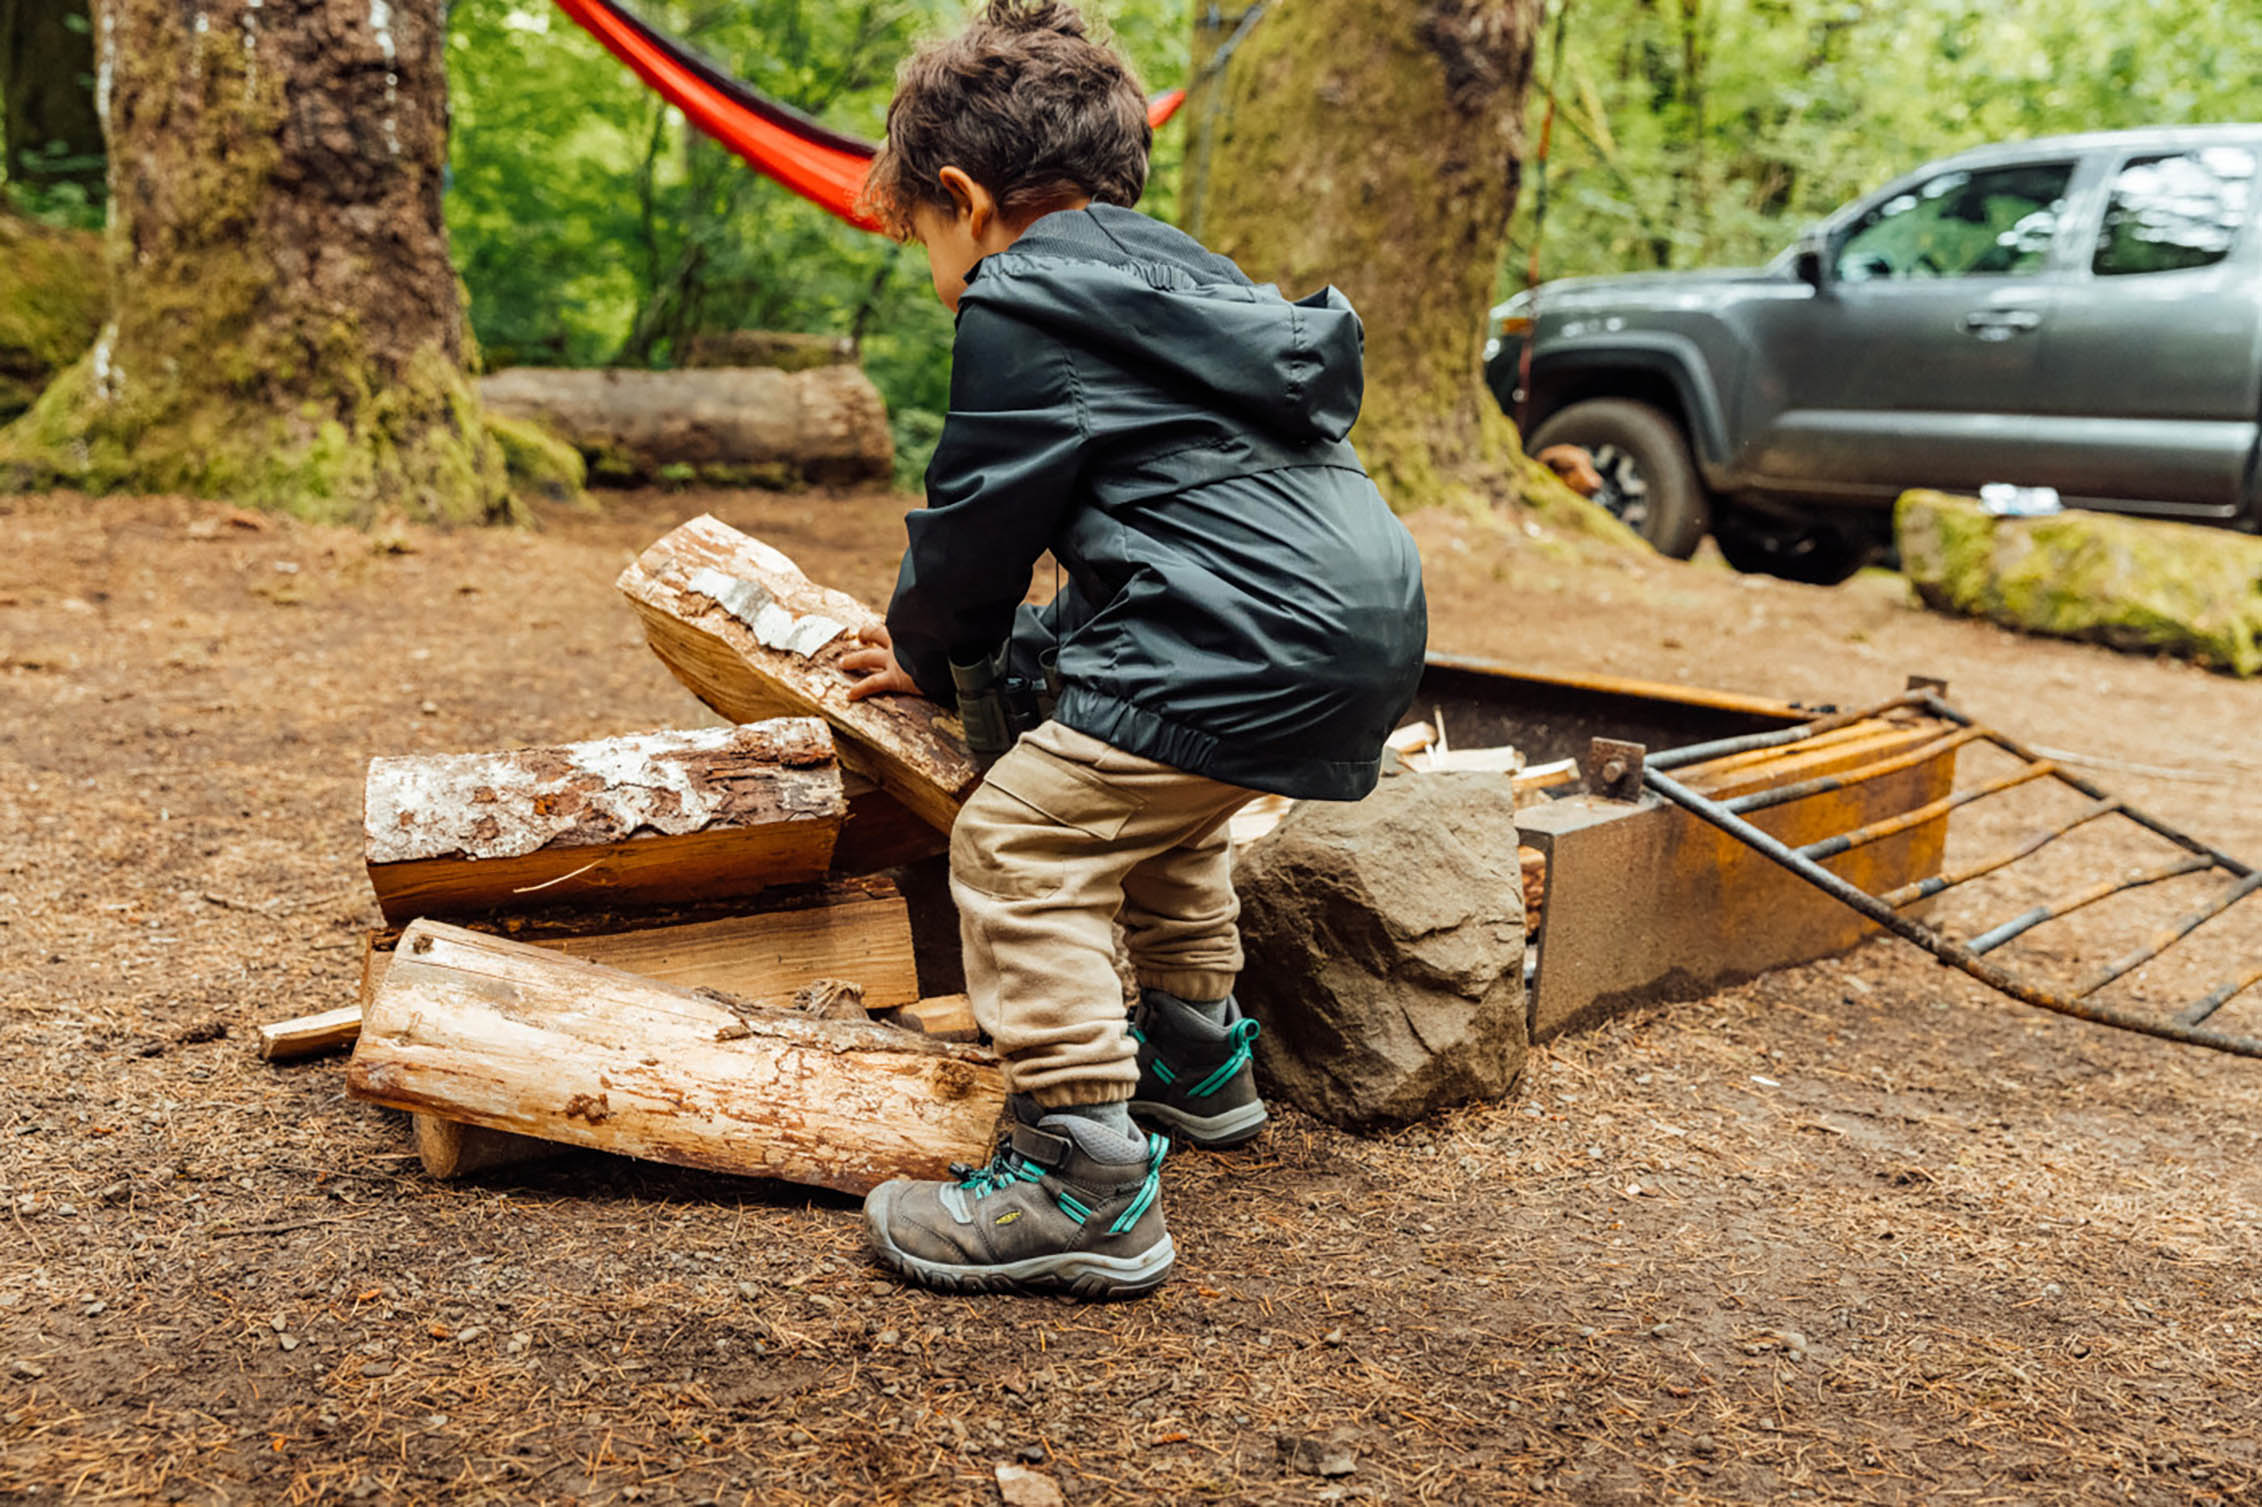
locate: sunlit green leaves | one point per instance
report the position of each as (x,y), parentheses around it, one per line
(591,226)
(1709,132)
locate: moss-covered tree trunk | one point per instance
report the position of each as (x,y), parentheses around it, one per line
(50,131)
(285,327)
(1375,144)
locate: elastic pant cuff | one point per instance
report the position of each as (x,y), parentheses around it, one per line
(1063,1095)
(1196,986)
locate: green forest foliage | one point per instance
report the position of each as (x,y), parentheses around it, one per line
(1710,132)
(593,228)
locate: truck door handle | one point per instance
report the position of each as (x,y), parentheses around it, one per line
(2000,324)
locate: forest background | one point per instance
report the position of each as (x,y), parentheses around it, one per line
(592,228)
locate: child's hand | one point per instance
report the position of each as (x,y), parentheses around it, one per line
(882,675)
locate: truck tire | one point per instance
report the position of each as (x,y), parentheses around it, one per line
(1649,481)
(1813,551)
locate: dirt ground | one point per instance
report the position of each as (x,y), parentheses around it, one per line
(1856,1232)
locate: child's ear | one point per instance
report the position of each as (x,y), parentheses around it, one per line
(974,203)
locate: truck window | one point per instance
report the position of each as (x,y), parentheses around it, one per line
(2176,211)
(1967,222)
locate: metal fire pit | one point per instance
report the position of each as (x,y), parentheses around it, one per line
(1716,837)
(1648,903)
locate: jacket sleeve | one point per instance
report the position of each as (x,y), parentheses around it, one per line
(1002,479)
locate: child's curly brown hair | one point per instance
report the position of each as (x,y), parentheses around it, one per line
(1025,103)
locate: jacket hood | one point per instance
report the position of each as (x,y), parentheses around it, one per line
(1114,280)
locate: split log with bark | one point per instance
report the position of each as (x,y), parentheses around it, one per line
(650,817)
(487,1032)
(751,636)
(725,424)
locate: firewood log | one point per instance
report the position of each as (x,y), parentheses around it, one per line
(650,817)
(310,1035)
(751,636)
(762,948)
(483,1031)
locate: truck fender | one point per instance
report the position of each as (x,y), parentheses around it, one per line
(1672,358)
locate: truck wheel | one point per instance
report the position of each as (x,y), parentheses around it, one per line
(1648,480)
(1814,551)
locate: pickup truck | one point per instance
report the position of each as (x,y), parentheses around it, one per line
(2082,313)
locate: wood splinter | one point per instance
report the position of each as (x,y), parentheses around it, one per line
(310,1035)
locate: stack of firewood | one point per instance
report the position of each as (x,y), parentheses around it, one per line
(677,945)
(682,945)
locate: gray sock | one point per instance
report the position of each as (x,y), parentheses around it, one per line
(1113,1116)
(1211,1010)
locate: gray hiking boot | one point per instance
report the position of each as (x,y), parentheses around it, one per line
(1065,1206)
(1195,1078)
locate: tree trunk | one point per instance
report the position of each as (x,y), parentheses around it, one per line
(1376,146)
(50,132)
(286,329)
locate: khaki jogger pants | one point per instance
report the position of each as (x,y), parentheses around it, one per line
(1064,836)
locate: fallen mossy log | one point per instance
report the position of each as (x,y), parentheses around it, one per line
(784,350)
(735,425)
(2131,583)
(486,1032)
(751,636)
(652,817)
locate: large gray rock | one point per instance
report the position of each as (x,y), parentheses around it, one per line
(1385,949)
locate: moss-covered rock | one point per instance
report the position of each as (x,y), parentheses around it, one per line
(2170,588)
(52,297)
(539,464)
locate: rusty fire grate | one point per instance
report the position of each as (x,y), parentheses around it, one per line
(1970,954)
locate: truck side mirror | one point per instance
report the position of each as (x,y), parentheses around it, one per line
(1810,264)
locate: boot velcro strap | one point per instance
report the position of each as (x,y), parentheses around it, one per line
(1042,1146)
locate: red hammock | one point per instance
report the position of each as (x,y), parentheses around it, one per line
(816,162)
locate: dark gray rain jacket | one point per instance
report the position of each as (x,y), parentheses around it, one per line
(1239,603)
